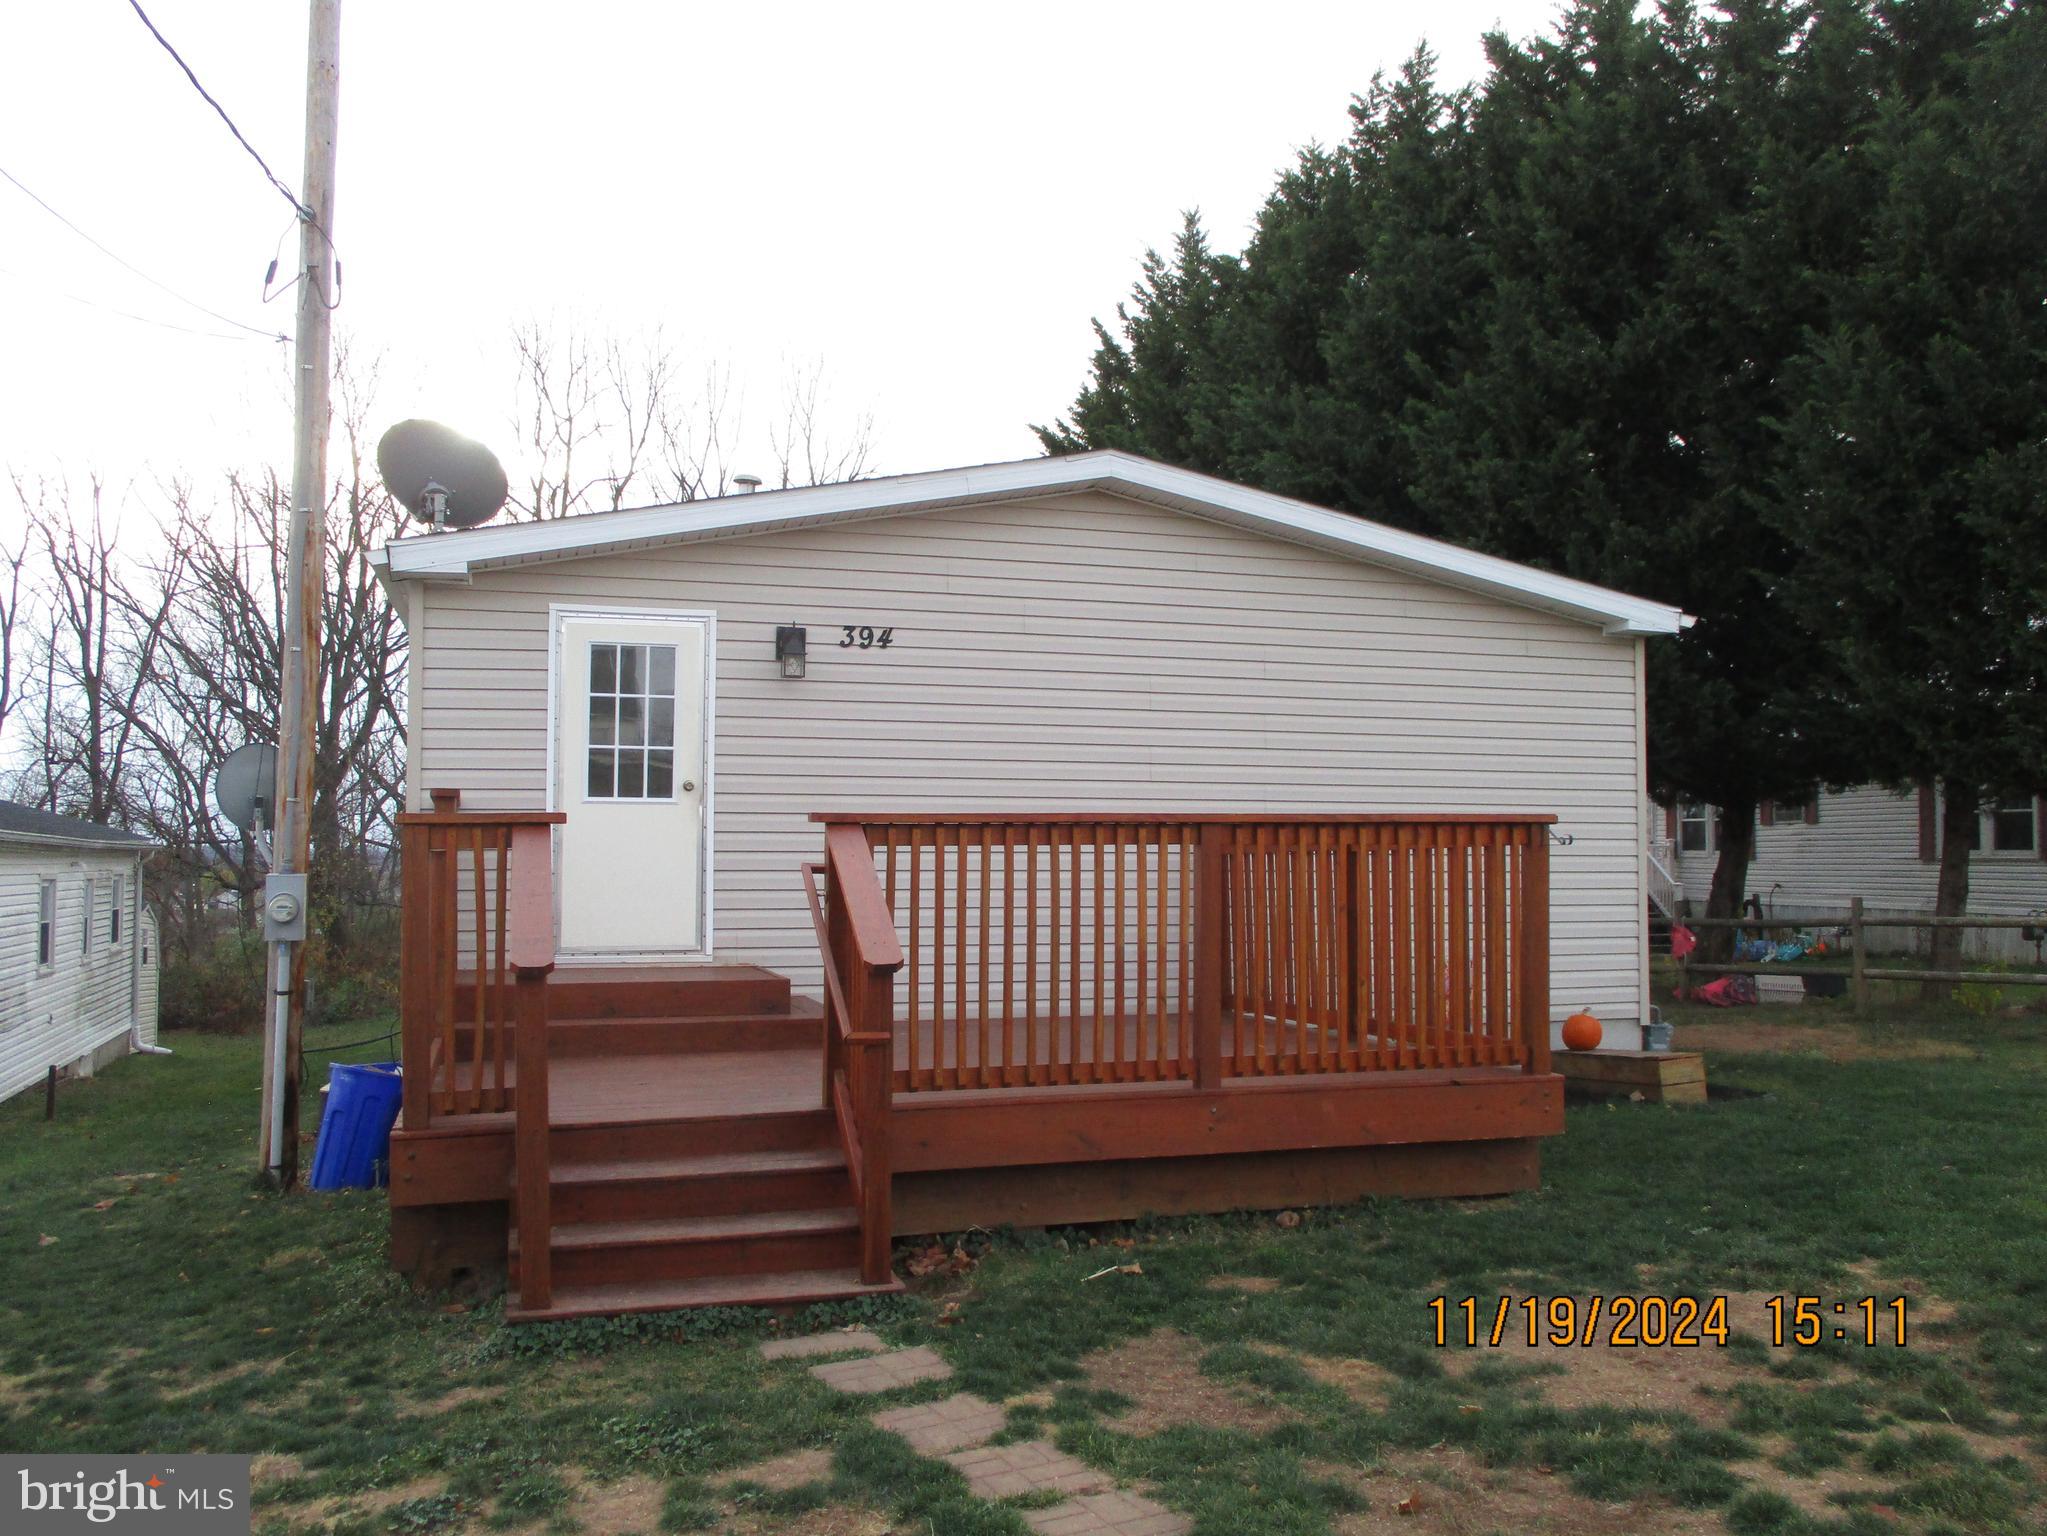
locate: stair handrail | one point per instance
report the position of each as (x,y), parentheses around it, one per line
(860,954)
(1665,891)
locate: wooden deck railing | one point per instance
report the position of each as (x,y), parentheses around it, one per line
(1074,949)
(475,952)
(861,957)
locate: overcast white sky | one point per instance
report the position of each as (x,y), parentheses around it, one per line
(934,200)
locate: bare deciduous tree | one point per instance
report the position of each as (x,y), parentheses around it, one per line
(12,563)
(602,422)
(97,656)
(807,450)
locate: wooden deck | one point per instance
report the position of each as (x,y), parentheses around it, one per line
(693,1163)
(1281,1014)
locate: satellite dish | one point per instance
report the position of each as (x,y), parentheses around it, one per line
(246,786)
(440,476)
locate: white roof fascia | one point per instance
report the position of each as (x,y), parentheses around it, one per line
(80,844)
(454,556)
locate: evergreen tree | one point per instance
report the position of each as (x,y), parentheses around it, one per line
(1918,435)
(1658,208)
(1634,311)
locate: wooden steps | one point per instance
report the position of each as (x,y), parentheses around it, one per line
(799,1026)
(650,991)
(715,1184)
(692,1247)
(690,1159)
(791,1289)
(647,1211)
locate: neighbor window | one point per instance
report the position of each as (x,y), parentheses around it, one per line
(1695,829)
(85,918)
(2010,826)
(632,722)
(46,922)
(114,912)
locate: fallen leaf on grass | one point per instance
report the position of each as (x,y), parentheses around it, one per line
(45,1240)
(1116,1269)
(1412,1504)
(103,1205)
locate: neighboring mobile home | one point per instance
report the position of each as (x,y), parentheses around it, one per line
(78,956)
(1812,859)
(1043,694)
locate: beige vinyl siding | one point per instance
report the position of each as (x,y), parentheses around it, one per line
(60,1014)
(1866,843)
(1077,652)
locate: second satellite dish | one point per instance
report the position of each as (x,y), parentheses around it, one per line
(440,476)
(245,784)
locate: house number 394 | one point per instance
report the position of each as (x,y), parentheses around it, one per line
(865,636)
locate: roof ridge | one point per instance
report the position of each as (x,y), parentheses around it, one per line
(455,556)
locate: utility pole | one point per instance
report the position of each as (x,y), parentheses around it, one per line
(305,583)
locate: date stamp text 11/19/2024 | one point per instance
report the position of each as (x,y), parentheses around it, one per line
(1658,1322)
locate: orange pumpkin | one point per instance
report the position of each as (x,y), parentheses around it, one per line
(1582,1032)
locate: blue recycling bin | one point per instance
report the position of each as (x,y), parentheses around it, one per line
(354,1149)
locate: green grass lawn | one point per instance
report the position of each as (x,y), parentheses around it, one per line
(1258,1377)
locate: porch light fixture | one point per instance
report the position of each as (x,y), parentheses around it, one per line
(791,647)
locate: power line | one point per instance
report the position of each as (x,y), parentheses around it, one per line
(290,196)
(169,325)
(123,261)
(302,209)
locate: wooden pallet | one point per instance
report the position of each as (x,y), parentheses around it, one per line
(1661,1077)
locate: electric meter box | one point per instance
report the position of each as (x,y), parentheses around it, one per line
(284,908)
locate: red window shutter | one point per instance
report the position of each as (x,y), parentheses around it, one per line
(1670,823)
(1929,849)
(1812,810)
(2040,825)
(1766,813)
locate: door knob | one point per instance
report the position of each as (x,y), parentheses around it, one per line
(688,785)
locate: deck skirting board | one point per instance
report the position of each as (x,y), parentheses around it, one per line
(998,1128)
(1057,1194)
(1010,1128)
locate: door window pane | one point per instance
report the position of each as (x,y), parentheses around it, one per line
(632,722)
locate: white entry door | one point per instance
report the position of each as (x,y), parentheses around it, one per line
(632,772)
